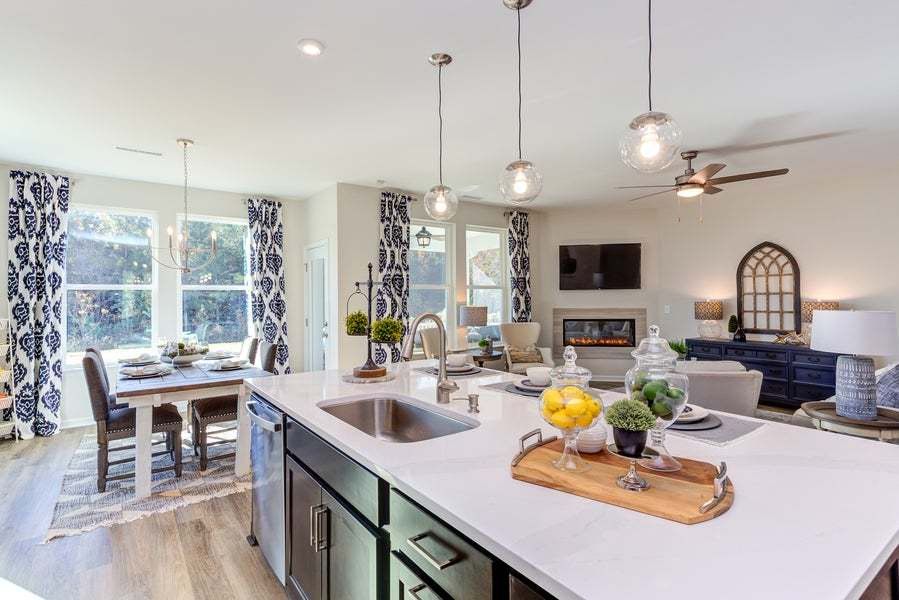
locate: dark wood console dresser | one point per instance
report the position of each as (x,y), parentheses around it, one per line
(792,374)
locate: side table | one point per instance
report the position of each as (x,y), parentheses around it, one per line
(884,428)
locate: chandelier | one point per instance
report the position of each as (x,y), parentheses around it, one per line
(184,257)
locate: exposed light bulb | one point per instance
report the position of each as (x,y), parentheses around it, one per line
(649,142)
(440,203)
(520,185)
(521,182)
(170,231)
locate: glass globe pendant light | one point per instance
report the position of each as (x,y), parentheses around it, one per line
(652,140)
(520,182)
(440,202)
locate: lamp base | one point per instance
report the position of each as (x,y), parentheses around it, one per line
(710,329)
(856,388)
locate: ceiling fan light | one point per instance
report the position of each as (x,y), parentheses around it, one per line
(521,182)
(689,190)
(441,203)
(651,142)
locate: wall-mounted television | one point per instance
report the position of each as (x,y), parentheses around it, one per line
(599,267)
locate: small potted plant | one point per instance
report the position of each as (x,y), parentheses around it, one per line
(630,420)
(679,346)
(356,323)
(486,346)
(387,331)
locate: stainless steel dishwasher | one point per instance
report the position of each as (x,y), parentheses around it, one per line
(267,458)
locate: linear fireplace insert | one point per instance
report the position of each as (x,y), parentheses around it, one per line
(599,333)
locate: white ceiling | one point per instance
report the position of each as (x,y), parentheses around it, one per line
(82,77)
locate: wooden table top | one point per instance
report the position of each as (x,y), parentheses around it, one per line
(190,377)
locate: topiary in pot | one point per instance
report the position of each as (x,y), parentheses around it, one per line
(387,331)
(356,323)
(679,346)
(630,420)
(732,324)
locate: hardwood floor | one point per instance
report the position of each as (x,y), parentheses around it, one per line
(196,552)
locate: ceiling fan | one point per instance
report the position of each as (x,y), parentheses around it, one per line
(694,183)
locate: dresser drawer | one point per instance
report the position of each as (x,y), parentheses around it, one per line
(775,355)
(810,375)
(808,358)
(805,392)
(775,388)
(767,369)
(459,568)
(705,350)
(739,353)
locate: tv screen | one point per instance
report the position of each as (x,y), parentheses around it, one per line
(599,267)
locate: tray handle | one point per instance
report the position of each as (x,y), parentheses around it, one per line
(721,482)
(524,448)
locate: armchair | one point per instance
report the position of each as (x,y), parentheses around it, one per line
(523,335)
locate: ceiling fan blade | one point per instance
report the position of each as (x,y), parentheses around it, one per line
(711,189)
(735,148)
(671,189)
(745,176)
(706,173)
(640,187)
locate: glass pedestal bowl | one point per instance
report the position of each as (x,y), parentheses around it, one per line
(570,409)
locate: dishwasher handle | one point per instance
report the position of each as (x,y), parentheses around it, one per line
(259,420)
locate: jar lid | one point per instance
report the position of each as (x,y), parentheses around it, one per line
(570,373)
(654,349)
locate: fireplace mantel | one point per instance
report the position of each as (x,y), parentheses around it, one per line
(560,314)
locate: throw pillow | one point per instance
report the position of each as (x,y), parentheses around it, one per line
(888,388)
(525,355)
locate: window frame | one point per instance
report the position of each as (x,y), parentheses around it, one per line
(180,288)
(504,266)
(449,248)
(153,286)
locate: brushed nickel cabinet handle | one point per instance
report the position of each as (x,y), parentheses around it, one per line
(414,591)
(321,530)
(312,539)
(432,560)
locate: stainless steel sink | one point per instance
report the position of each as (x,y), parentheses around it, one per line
(395,419)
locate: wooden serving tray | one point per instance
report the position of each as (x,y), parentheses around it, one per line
(674,496)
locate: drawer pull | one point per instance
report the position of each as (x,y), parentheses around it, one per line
(437,564)
(814,359)
(319,532)
(413,592)
(814,376)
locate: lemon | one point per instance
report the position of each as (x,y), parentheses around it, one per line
(547,413)
(561,420)
(552,400)
(594,407)
(584,420)
(576,407)
(570,391)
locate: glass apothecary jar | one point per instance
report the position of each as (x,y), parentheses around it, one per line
(653,380)
(570,406)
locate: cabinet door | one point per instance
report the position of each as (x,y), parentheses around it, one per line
(304,562)
(351,560)
(406,585)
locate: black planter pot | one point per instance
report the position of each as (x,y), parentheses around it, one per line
(629,443)
(740,335)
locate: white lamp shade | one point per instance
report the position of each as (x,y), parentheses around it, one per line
(864,332)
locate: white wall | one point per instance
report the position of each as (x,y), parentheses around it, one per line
(167,202)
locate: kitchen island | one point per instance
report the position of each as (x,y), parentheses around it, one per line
(815,514)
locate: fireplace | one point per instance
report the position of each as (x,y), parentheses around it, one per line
(599,333)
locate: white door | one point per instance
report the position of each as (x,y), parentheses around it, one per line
(317,308)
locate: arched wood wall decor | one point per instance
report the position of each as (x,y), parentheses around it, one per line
(768,298)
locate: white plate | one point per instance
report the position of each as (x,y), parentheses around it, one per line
(219,355)
(138,373)
(219,367)
(140,363)
(525,384)
(692,413)
(461,369)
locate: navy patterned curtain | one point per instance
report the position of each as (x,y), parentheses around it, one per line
(267,273)
(38,219)
(392,299)
(520,266)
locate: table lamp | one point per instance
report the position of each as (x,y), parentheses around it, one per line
(856,335)
(472,316)
(709,312)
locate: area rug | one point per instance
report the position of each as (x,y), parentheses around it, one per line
(80,508)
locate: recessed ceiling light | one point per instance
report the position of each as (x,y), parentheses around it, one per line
(311,47)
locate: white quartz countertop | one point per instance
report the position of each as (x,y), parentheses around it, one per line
(815,514)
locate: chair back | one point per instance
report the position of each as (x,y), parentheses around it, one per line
(97,386)
(709,366)
(735,392)
(519,335)
(248,349)
(430,341)
(96,352)
(268,353)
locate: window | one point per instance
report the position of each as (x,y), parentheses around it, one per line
(110,281)
(214,300)
(431,272)
(487,278)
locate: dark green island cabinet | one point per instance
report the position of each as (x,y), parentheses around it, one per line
(351,536)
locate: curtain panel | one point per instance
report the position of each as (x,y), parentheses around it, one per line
(37,224)
(268,300)
(520,266)
(392,299)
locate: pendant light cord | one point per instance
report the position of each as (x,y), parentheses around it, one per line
(649,66)
(518,13)
(186,228)
(440,118)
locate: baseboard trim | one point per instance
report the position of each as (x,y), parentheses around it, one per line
(73,423)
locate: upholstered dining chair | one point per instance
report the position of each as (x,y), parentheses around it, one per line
(735,392)
(522,336)
(120,423)
(430,341)
(113,403)
(222,409)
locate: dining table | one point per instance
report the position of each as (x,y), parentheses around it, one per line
(184,383)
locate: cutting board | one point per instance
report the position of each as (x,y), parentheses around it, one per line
(674,496)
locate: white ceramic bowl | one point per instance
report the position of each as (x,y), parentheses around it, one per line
(592,440)
(456,360)
(185,359)
(538,375)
